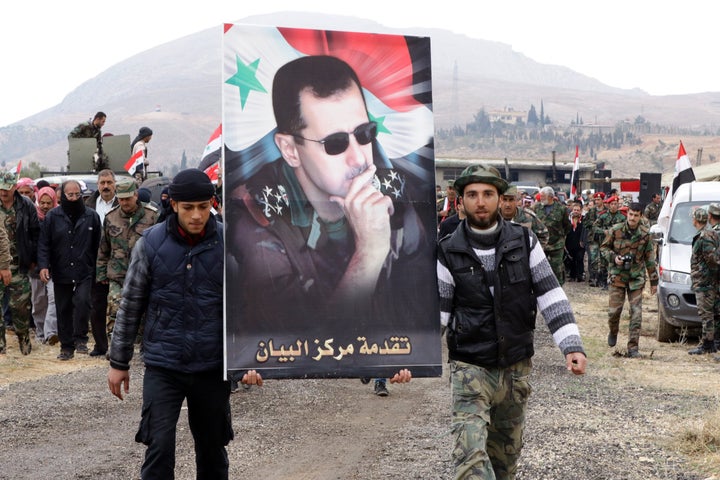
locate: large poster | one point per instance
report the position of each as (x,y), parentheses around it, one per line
(329,203)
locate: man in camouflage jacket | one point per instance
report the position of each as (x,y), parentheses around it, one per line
(510,211)
(629,252)
(593,246)
(704,277)
(122,227)
(555,218)
(601,228)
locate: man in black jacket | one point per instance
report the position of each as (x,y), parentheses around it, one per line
(175,282)
(68,248)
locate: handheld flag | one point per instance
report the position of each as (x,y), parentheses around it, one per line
(574,175)
(211,154)
(683,174)
(19,167)
(132,164)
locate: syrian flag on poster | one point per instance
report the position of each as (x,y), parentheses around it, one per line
(683,174)
(252,55)
(132,164)
(211,154)
(574,176)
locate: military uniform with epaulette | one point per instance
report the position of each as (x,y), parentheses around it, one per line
(558,224)
(528,219)
(120,233)
(594,241)
(635,247)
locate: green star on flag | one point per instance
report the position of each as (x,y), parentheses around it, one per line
(380,123)
(246,80)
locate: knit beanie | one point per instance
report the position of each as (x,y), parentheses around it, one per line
(191,185)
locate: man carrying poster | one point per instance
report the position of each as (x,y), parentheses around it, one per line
(333,257)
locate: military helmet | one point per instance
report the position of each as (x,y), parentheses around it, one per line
(700,215)
(480,174)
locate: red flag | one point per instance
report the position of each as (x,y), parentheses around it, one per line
(212,171)
(683,174)
(211,154)
(573,176)
(19,167)
(137,159)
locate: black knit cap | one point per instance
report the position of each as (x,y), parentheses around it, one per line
(191,185)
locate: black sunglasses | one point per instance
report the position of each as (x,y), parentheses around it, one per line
(337,143)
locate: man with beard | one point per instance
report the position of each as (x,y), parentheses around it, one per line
(103,200)
(602,226)
(492,278)
(69,241)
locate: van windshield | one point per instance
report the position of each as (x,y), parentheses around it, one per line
(681,227)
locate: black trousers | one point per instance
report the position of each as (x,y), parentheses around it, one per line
(208,407)
(72,303)
(98,317)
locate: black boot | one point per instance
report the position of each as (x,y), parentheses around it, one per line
(707,346)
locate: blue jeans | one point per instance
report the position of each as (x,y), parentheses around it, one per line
(208,402)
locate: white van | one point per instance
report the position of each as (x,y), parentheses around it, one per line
(677,309)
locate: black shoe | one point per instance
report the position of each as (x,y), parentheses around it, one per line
(705,347)
(612,339)
(365,380)
(380,389)
(633,354)
(65,355)
(96,353)
(81,348)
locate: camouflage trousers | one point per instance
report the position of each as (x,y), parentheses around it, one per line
(18,292)
(706,301)
(488,419)
(113,304)
(555,258)
(114,297)
(593,251)
(615,307)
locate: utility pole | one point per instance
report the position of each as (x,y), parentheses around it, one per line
(699,157)
(554,170)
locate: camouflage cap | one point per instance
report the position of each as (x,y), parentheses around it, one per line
(480,174)
(125,188)
(700,215)
(511,191)
(8,180)
(714,209)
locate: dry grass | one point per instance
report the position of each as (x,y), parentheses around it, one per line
(664,366)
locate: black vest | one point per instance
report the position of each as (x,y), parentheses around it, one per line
(486,329)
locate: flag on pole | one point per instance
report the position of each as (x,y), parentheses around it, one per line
(137,159)
(212,172)
(211,154)
(574,176)
(19,167)
(683,174)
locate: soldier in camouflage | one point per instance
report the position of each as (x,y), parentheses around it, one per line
(122,227)
(628,250)
(593,246)
(511,212)
(20,221)
(714,224)
(555,218)
(93,129)
(602,226)
(704,276)
(652,211)
(6,276)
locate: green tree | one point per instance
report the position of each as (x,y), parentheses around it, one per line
(183,161)
(532,118)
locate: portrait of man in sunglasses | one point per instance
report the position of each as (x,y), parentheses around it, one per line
(327,239)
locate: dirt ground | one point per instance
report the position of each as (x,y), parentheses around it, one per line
(620,421)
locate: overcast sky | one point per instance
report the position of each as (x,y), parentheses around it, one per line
(48,48)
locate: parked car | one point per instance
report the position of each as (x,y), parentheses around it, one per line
(677,307)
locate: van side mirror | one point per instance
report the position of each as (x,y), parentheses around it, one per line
(657,233)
